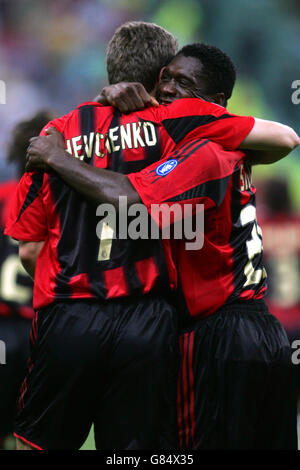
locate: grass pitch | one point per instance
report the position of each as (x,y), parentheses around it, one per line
(89,443)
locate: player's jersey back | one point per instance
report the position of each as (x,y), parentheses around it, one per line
(15,284)
(74,262)
(228,266)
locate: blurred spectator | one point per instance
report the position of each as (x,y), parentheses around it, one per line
(16,311)
(281,237)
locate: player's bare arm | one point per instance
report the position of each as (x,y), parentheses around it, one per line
(127,97)
(269,141)
(28,252)
(95,184)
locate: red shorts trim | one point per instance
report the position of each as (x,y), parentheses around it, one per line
(27,442)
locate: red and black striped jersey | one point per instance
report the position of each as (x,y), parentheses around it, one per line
(226,264)
(74,263)
(15,285)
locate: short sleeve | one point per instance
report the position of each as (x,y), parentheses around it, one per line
(26,219)
(191,118)
(197,175)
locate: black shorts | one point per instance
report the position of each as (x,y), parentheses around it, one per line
(113,365)
(14,331)
(236,385)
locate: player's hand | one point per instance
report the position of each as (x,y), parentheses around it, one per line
(41,149)
(56,138)
(127,97)
(36,157)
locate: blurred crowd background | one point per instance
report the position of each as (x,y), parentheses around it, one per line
(52,55)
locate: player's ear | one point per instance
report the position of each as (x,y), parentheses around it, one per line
(218,98)
(160,74)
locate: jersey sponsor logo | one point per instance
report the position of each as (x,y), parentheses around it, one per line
(164,168)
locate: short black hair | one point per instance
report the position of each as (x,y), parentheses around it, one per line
(21,134)
(218,70)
